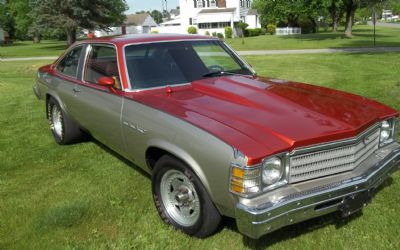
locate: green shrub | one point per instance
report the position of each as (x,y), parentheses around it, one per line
(207,33)
(228,32)
(220,35)
(271,28)
(307,26)
(242,26)
(192,30)
(252,32)
(214,34)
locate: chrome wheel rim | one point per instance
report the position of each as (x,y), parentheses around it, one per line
(180,198)
(56,121)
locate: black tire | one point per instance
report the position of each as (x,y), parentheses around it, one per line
(204,219)
(64,130)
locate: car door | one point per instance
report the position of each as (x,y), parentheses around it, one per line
(97,108)
(65,77)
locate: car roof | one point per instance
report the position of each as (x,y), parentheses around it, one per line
(146,38)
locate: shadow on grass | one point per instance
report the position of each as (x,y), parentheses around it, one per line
(119,157)
(302,228)
(362,38)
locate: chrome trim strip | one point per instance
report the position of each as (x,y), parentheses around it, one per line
(89,48)
(64,55)
(159,87)
(329,145)
(151,42)
(180,40)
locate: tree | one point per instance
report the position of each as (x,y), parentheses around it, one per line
(394,5)
(27,23)
(292,12)
(74,14)
(351,6)
(6,18)
(335,9)
(242,27)
(157,16)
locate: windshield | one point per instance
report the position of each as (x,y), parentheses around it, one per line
(170,63)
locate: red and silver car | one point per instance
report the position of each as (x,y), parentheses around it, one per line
(217,139)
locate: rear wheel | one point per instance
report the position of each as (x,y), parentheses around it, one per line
(64,130)
(181,199)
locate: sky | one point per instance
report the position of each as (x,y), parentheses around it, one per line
(138,5)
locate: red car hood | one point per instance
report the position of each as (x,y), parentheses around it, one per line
(261,117)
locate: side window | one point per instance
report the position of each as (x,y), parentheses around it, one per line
(69,64)
(102,61)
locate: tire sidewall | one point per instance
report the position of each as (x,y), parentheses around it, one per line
(50,106)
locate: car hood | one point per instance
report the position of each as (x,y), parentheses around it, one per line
(262,116)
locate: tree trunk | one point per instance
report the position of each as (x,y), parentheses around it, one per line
(36,38)
(71,36)
(335,25)
(350,12)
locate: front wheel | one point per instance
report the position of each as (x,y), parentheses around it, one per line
(181,199)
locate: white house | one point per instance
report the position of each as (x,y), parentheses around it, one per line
(212,16)
(134,24)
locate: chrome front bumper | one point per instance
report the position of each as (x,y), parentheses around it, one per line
(315,198)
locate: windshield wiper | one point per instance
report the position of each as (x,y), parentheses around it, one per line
(218,73)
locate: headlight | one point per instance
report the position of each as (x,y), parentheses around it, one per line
(272,171)
(387,134)
(247,180)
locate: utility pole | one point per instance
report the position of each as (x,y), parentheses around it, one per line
(374,22)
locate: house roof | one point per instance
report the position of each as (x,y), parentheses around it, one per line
(175,12)
(136,19)
(219,10)
(252,12)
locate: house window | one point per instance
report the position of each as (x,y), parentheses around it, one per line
(219,25)
(248,3)
(241,3)
(190,21)
(213,3)
(200,3)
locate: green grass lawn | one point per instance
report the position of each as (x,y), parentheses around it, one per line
(363,37)
(85,197)
(29,49)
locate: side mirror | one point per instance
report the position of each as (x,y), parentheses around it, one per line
(107,82)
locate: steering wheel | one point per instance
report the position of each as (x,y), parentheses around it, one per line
(215,67)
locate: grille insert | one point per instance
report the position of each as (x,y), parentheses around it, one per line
(334,160)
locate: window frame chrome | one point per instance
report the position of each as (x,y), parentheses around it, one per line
(89,49)
(132,89)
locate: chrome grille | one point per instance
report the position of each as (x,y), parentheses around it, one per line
(334,160)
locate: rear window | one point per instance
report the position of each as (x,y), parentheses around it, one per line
(69,64)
